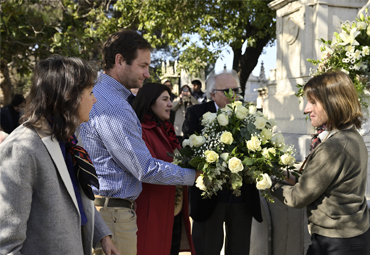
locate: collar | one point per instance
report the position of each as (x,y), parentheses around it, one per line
(216,106)
(327,134)
(114,84)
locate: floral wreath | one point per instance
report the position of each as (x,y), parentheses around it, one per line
(348,52)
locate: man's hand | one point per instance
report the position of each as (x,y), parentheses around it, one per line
(108,246)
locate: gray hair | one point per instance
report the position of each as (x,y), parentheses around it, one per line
(211,80)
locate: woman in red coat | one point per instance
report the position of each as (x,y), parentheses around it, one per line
(161,230)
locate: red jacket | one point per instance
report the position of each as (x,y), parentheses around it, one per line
(156,203)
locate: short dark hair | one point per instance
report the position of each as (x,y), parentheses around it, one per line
(125,42)
(338,96)
(196,82)
(57,86)
(17,100)
(146,98)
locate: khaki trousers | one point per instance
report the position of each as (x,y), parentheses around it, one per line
(122,222)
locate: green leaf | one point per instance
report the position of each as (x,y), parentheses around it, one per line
(248,161)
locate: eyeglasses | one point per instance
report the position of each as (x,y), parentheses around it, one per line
(235,90)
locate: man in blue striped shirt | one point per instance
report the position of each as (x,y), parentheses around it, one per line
(113,139)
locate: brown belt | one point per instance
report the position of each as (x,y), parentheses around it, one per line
(113,202)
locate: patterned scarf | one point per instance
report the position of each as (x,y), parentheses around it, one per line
(167,129)
(83,167)
(315,140)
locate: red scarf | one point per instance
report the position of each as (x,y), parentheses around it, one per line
(167,129)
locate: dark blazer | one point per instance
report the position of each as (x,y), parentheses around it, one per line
(201,209)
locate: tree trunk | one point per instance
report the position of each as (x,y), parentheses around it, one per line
(5,82)
(249,60)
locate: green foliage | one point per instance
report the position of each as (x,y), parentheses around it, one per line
(33,30)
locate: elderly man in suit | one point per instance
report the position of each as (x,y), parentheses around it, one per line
(209,215)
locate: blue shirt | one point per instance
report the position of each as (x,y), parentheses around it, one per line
(113,138)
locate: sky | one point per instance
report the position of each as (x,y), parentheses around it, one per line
(268,57)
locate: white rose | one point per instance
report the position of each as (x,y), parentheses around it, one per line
(200,183)
(211,156)
(254,144)
(185,143)
(196,141)
(260,122)
(224,156)
(265,183)
(361,25)
(241,112)
(236,103)
(227,138)
(287,160)
(235,165)
(266,134)
(208,118)
(259,114)
(223,119)
(278,140)
(252,109)
(265,152)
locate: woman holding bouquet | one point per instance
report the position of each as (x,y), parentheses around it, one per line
(333,183)
(162,210)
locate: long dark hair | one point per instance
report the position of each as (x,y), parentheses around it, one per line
(57,86)
(146,98)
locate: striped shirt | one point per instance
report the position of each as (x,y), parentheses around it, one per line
(113,138)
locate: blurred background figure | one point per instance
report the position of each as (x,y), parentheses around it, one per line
(180,104)
(162,210)
(197,92)
(168,83)
(10,114)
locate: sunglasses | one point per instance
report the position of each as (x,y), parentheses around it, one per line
(235,90)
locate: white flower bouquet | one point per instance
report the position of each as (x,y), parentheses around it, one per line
(236,146)
(349,52)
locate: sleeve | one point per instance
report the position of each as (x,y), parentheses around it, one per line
(191,123)
(176,104)
(324,166)
(100,228)
(16,188)
(120,131)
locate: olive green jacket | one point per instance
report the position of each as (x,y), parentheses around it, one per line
(332,187)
